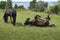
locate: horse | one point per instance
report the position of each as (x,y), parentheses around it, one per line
(42,22)
(38,21)
(28,22)
(12,14)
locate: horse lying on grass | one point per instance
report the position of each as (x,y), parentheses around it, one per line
(12,13)
(38,21)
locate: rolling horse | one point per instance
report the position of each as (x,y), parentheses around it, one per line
(42,22)
(38,21)
(12,13)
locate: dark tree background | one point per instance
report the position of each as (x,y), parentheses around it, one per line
(38,6)
(9,4)
(32,5)
(2,4)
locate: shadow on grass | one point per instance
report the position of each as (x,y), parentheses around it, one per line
(52,25)
(19,24)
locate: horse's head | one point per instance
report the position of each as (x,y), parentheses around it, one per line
(5,18)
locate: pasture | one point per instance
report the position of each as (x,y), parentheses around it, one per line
(21,32)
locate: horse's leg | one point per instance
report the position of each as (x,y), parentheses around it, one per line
(7,18)
(11,18)
(14,20)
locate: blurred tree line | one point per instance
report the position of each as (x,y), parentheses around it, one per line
(2,4)
(5,4)
(39,6)
(55,8)
(42,6)
(19,7)
(8,4)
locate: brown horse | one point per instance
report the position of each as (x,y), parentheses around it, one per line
(40,22)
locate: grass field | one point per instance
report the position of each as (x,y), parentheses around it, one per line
(21,32)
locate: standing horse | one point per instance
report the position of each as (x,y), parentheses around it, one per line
(12,13)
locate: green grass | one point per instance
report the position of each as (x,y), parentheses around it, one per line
(20,32)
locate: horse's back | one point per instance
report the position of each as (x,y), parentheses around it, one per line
(10,11)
